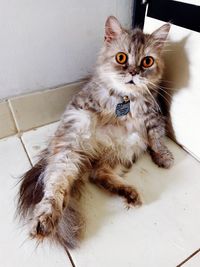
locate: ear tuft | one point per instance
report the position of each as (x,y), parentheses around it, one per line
(112,29)
(160,35)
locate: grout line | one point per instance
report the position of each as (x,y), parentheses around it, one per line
(195,157)
(78,82)
(24,147)
(39,126)
(191,153)
(70,257)
(13,115)
(18,131)
(188,258)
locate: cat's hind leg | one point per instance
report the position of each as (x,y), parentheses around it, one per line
(64,162)
(59,176)
(104,177)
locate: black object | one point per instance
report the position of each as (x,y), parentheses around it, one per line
(178,13)
(139,9)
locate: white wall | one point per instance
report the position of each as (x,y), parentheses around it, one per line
(47,43)
(183,71)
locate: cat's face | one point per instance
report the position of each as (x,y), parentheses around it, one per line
(131,61)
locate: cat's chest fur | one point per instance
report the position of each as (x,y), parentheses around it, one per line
(125,135)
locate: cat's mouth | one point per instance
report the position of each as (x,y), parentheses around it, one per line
(131,82)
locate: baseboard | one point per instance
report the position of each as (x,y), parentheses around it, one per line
(7,124)
(26,112)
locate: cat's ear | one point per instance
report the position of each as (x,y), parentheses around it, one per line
(160,35)
(112,29)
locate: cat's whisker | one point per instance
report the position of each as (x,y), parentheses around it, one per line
(153,98)
(167,101)
(156,89)
(162,96)
(168,88)
(162,88)
(167,81)
(164,92)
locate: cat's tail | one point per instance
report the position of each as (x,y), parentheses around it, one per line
(69,229)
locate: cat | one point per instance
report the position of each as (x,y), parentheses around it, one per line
(104,129)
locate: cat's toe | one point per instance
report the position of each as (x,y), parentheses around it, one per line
(42,226)
(163,159)
(166,160)
(134,199)
(44,221)
(132,196)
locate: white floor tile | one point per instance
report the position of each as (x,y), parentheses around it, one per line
(193,262)
(36,140)
(160,233)
(15,249)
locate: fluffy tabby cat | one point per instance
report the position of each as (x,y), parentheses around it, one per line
(91,139)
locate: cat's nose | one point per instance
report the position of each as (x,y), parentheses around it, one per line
(133,72)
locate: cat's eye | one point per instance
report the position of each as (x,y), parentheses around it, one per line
(121,58)
(147,62)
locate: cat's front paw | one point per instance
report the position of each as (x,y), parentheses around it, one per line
(131,195)
(46,217)
(163,158)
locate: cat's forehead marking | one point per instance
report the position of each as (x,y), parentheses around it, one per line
(141,45)
(137,44)
(131,59)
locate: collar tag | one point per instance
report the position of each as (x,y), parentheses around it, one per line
(123,108)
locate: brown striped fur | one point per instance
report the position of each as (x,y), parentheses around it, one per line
(91,141)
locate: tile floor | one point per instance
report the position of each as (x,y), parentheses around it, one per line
(161,233)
